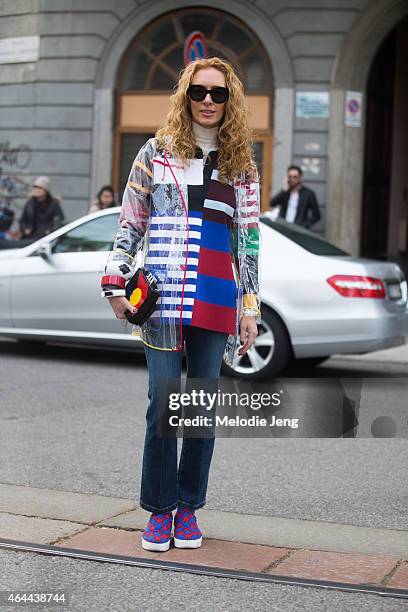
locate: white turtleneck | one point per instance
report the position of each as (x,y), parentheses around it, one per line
(206,138)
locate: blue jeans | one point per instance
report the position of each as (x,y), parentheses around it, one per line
(163,486)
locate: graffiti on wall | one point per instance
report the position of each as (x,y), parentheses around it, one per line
(13,160)
(17,157)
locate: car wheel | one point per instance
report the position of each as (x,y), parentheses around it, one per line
(270,353)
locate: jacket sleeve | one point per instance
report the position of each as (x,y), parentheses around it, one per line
(277,199)
(314,208)
(26,221)
(134,214)
(245,245)
(59,217)
(93,207)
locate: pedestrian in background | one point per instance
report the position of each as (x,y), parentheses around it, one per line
(298,204)
(104,199)
(42,212)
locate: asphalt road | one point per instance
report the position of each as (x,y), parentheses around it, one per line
(73,419)
(103,587)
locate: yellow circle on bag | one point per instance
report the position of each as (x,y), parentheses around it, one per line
(135,296)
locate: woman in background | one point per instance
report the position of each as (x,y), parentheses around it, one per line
(42,213)
(104,199)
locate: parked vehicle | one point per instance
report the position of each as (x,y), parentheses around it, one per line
(317,300)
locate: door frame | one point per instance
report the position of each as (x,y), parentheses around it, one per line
(103,130)
(346,143)
(266,173)
(264,136)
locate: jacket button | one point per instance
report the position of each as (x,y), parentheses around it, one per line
(182,267)
(178,307)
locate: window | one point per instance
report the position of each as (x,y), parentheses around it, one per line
(96,235)
(150,69)
(155,58)
(303,237)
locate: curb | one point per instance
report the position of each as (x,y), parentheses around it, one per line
(270,546)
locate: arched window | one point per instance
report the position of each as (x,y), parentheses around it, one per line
(155,58)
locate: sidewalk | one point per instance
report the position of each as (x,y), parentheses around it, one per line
(252,543)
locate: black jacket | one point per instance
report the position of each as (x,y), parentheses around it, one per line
(41,218)
(308,211)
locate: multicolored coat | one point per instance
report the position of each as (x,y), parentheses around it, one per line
(205,256)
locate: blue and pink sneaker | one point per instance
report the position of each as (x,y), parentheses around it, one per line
(186,531)
(157,534)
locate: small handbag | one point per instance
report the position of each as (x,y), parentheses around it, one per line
(142,292)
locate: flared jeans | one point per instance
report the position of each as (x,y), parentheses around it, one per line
(164,485)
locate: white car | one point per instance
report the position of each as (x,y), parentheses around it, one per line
(316,299)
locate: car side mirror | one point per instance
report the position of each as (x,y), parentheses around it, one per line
(44,250)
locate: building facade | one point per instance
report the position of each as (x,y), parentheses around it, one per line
(84,83)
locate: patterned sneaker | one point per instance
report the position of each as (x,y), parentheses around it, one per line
(157,534)
(186,531)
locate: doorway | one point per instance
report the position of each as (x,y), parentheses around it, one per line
(384,228)
(150,68)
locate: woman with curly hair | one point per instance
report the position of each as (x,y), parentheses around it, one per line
(191,205)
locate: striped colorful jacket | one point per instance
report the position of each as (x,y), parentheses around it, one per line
(200,239)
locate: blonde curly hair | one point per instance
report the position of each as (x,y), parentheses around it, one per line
(235,154)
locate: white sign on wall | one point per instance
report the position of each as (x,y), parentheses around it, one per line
(312,104)
(354,103)
(20,49)
(311,164)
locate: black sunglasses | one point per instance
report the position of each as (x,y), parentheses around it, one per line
(199,92)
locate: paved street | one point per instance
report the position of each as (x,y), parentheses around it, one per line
(72,426)
(104,587)
(73,420)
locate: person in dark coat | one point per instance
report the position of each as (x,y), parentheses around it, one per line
(42,213)
(298,204)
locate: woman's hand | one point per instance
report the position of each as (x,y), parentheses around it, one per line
(119,305)
(249,331)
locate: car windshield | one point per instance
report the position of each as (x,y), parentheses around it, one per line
(303,237)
